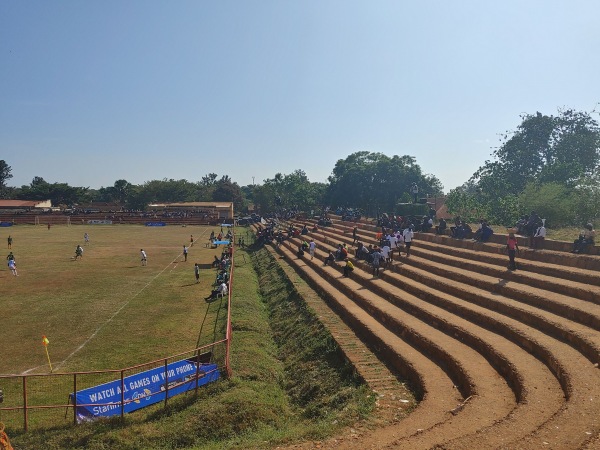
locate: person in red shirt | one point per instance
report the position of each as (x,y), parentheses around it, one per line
(513,247)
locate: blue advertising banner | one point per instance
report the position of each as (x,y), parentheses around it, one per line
(142,389)
(5,224)
(156,224)
(223,242)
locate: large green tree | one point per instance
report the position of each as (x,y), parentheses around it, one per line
(293,190)
(374,181)
(548,149)
(539,166)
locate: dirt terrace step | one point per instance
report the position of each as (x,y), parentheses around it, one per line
(555,316)
(574,356)
(570,288)
(434,388)
(497,255)
(532,367)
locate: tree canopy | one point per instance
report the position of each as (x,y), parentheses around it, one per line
(373,181)
(547,160)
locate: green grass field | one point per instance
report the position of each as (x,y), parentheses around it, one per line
(104,311)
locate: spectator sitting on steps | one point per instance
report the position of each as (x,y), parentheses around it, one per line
(441,227)
(586,238)
(330,259)
(485,232)
(348,268)
(221,288)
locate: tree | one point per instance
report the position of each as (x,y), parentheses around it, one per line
(559,149)
(293,191)
(5,174)
(227,191)
(121,188)
(544,152)
(374,181)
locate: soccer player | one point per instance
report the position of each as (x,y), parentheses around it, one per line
(144,257)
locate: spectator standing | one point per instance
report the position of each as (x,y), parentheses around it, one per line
(385,251)
(408,236)
(197,272)
(377,256)
(513,247)
(311,248)
(354,235)
(414,189)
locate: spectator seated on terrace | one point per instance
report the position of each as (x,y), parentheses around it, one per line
(348,268)
(537,241)
(300,252)
(315,228)
(463,231)
(330,259)
(426,224)
(484,233)
(220,291)
(586,238)
(304,230)
(341,253)
(222,277)
(325,222)
(441,227)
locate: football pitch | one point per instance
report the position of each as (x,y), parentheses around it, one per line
(105,310)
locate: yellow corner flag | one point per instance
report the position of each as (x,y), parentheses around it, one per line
(45,341)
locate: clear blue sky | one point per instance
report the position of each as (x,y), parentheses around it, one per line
(96,91)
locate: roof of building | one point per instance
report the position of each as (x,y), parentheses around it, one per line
(193,205)
(20,203)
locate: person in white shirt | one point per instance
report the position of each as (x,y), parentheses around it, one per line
(385,251)
(408,235)
(311,248)
(393,241)
(144,257)
(539,236)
